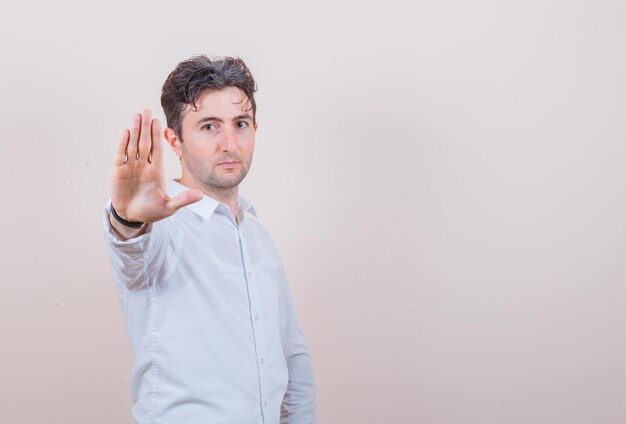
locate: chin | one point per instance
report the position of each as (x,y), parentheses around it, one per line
(229,182)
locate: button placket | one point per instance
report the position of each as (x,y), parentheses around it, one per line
(255,304)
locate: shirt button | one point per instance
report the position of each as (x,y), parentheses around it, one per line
(266,404)
(262,361)
(256,317)
(249,274)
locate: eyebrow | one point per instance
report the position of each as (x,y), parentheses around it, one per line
(214,118)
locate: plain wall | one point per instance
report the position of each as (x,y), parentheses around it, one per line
(445,181)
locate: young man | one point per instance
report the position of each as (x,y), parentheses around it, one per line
(207,307)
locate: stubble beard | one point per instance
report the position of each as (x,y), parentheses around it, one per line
(209,179)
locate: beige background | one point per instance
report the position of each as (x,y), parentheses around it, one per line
(445,181)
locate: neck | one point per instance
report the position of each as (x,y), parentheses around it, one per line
(226,195)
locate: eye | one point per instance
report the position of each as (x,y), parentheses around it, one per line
(209,126)
(242,124)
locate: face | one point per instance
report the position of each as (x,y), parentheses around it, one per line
(217,140)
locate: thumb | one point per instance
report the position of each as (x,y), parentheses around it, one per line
(183,199)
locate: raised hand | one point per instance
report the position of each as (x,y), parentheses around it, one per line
(138,180)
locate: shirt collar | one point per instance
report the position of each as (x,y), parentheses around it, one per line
(207,205)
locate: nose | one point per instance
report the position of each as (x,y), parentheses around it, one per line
(228,143)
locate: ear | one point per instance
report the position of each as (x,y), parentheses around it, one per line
(256,126)
(173,140)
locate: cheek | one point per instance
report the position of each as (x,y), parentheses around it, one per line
(201,152)
(248,145)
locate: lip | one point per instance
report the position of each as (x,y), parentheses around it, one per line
(228,163)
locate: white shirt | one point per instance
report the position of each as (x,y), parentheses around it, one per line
(210,319)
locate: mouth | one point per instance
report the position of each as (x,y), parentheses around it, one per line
(228,164)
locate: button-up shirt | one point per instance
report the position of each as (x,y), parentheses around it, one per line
(210,320)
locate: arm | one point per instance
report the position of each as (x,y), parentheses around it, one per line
(299,403)
(138,194)
(134,258)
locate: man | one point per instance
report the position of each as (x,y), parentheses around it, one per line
(207,307)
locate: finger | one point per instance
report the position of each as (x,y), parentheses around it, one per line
(156,154)
(134,137)
(120,154)
(183,199)
(145,134)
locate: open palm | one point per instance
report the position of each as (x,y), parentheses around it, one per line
(138,179)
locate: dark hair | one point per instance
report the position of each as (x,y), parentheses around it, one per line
(188,81)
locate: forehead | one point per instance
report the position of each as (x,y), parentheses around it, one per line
(224,103)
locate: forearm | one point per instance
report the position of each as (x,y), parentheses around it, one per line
(135,255)
(299,403)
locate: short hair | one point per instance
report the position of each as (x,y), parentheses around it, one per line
(192,77)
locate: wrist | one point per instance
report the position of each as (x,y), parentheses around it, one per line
(130,224)
(122,232)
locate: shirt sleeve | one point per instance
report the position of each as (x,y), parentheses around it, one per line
(299,402)
(135,261)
